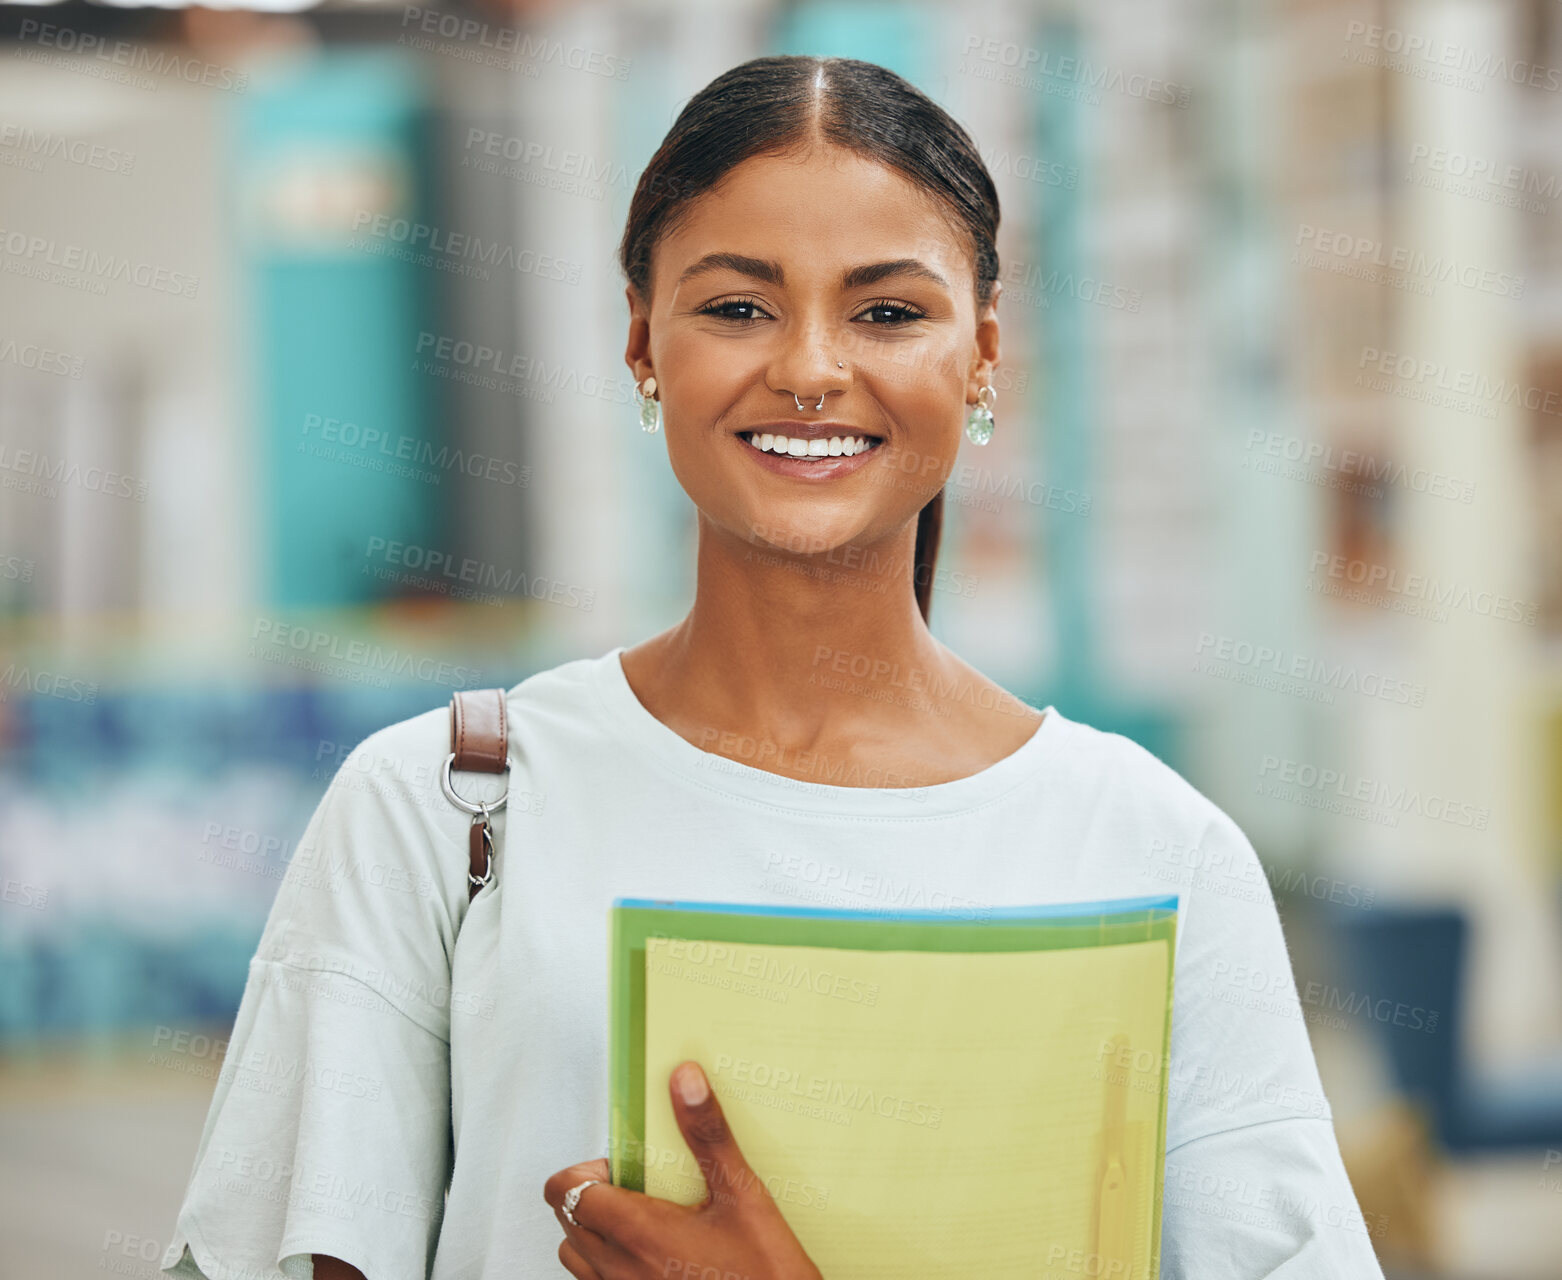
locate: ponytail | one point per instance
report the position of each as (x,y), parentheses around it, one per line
(930,524)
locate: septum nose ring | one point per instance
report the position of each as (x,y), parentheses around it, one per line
(839,364)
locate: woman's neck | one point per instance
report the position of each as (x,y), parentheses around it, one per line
(828,655)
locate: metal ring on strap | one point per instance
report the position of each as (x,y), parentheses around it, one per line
(489,806)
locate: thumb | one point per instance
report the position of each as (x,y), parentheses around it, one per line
(727,1174)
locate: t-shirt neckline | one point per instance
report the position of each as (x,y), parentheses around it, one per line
(716,772)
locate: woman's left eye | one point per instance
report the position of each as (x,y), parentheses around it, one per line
(892,313)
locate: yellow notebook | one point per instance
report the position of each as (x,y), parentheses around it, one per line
(923,1094)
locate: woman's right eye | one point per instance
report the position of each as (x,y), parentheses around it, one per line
(729,309)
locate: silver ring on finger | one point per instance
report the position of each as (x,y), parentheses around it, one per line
(572,1198)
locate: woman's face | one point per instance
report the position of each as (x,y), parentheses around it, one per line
(789,269)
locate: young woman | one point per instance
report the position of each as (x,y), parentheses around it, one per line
(813,321)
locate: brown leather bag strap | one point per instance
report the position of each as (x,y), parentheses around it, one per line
(479,741)
(478,732)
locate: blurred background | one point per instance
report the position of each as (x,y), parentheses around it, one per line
(313,409)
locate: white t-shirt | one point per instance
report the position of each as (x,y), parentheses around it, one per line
(374,1061)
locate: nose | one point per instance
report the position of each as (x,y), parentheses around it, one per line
(807,370)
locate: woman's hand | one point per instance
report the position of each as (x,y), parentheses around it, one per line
(736,1232)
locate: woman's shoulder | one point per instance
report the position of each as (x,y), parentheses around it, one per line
(1115,775)
(567,690)
(558,694)
(395,773)
(376,887)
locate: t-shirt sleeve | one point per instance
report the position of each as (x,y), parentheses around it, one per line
(329,1130)
(1268,1200)
(1254,1186)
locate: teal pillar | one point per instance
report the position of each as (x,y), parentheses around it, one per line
(1065,358)
(346,443)
(1081,685)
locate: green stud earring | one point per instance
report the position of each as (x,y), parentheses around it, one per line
(650,407)
(979,421)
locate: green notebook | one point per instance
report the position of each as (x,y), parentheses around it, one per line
(923,1095)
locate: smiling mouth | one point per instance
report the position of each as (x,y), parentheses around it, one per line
(812,447)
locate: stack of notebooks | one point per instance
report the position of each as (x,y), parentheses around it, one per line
(923,1095)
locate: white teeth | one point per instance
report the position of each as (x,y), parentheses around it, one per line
(817,447)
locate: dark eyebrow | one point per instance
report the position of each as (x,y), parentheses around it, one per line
(771,273)
(856,277)
(758,268)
